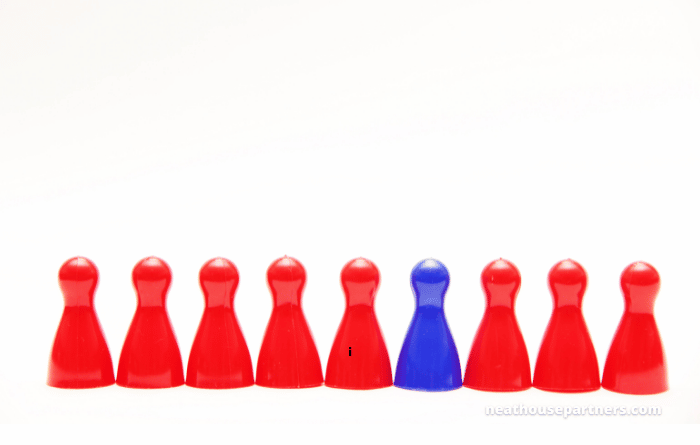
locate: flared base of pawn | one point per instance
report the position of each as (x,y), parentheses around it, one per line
(218,385)
(287,386)
(358,387)
(567,390)
(427,389)
(641,390)
(77,384)
(497,388)
(153,385)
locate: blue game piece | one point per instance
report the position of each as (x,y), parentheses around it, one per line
(429,359)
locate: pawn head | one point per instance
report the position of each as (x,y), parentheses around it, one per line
(500,280)
(567,282)
(286,278)
(218,279)
(360,280)
(77,278)
(640,285)
(151,277)
(430,280)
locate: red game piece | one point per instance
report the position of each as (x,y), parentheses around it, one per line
(636,363)
(150,357)
(359,358)
(567,360)
(79,357)
(288,356)
(498,360)
(219,357)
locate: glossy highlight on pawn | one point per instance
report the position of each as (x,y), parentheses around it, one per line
(359,359)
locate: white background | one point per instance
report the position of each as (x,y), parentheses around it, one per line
(459,130)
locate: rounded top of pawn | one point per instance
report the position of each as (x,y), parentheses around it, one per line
(501,282)
(218,279)
(430,280)
(567,281)
(360,270)
(78,269)
(151,269)
(430,271)
(640,284)
(286,269)
(568,272)
(640,274)
(151,277)
(360,280)
(286,278)
(77,279)
(500,272)
(218,270)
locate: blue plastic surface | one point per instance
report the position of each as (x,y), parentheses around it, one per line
(429,359)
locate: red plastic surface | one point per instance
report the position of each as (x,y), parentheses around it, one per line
(567,361)
(150,356)
(359,358)
(219,357)
(288,356)
(636,363)
(498,360)
(79,357)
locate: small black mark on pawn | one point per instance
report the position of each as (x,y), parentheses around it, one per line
(350,351)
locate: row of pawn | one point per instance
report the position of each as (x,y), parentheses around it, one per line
(428,361)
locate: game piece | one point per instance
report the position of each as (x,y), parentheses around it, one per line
(219,357)
(150,356)
(359,358)
(567,361)
(636,363)
(288,356)
(498,360)
(428,360)
(79,357)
